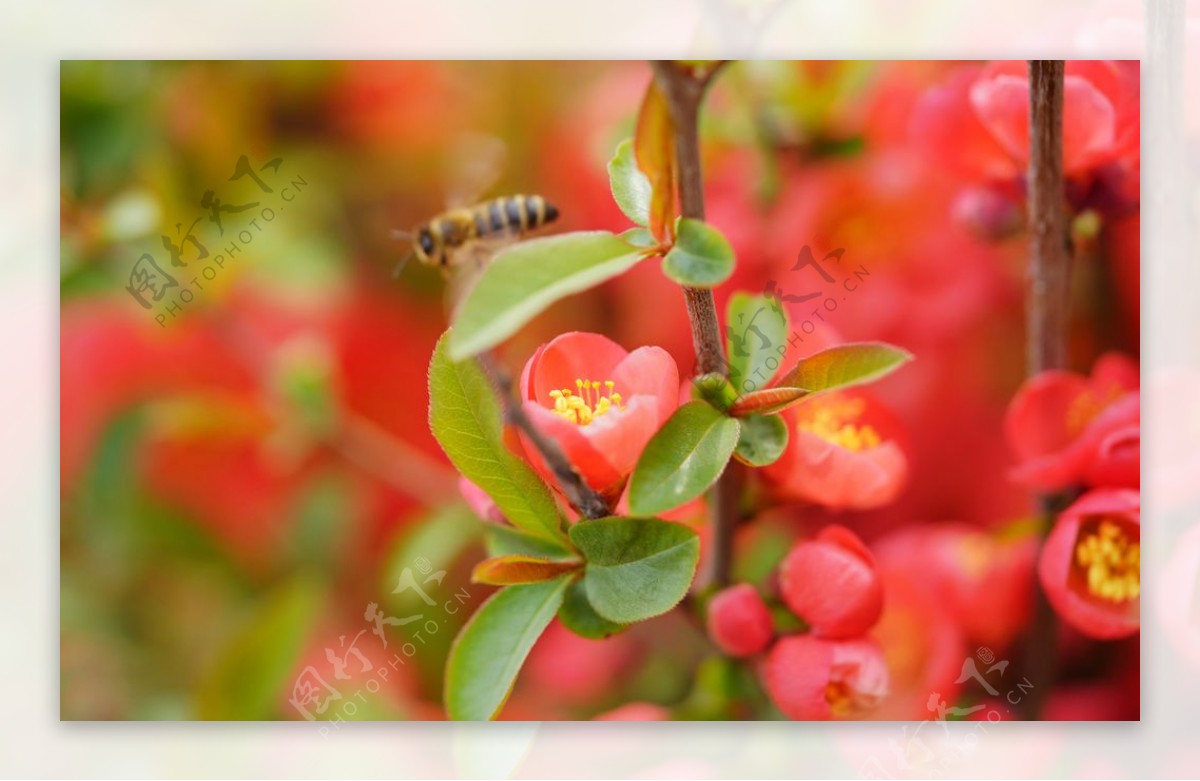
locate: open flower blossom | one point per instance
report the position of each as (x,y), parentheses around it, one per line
(599,402)
(831,582)
(1067,429)
(841,453)
(810,678)
(978,121)
(1090,567)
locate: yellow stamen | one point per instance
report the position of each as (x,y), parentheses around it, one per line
(1088,405)
(828,420)
(588,402)
(1110,561)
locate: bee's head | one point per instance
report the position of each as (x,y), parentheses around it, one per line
(424,247)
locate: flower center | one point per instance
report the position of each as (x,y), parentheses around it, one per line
(1109,559)
(840,698)
(829,421)
(1088,405)
(589,400)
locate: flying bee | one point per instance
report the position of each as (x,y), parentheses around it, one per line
(461,240)
(439,242)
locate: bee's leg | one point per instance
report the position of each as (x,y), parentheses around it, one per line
(403,262)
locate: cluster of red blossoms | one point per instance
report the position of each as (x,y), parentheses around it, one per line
(1082,435)
(833,670)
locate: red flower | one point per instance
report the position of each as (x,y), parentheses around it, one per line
(1068,429)
(1090,567)
(600,403)
(983,579)
(979,120)
(739,622)
(840,454)
(831,583)
(810,678)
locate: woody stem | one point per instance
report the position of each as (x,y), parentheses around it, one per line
(684,86)
(1047,310)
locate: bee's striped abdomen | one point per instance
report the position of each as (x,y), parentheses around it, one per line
(511,214)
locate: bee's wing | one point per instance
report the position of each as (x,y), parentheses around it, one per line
(467,264)
(474,164)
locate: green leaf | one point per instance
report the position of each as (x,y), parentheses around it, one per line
(641,238)
(630,187)
(846,365)
(701,257)
(253,673)
(507,541)
(488,653)
(762,441)
(637,568)
(757,329)
(683,459)
(522,281)
(714,389)
(516,569)
(578,615)
(466,420)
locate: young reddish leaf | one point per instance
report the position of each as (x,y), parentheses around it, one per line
(766,402)
(654,149)
(516,569)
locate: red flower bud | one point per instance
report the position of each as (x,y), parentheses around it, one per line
(809,678)
(739,622)
(832,583)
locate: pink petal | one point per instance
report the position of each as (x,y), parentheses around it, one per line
(621,435)
(649,371)
(574,356)
(1036,421)
(596,470)
(1089,125)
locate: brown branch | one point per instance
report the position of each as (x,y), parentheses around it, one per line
(684,90)
(581,496)
(1050,260)
(684,87)
(1047,309)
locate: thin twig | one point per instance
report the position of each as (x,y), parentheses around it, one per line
(1047,309)
(684,88)
(581,496)
(391,459)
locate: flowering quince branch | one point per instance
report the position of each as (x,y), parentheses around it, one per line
(684,87)
(578,492)
(596,422)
